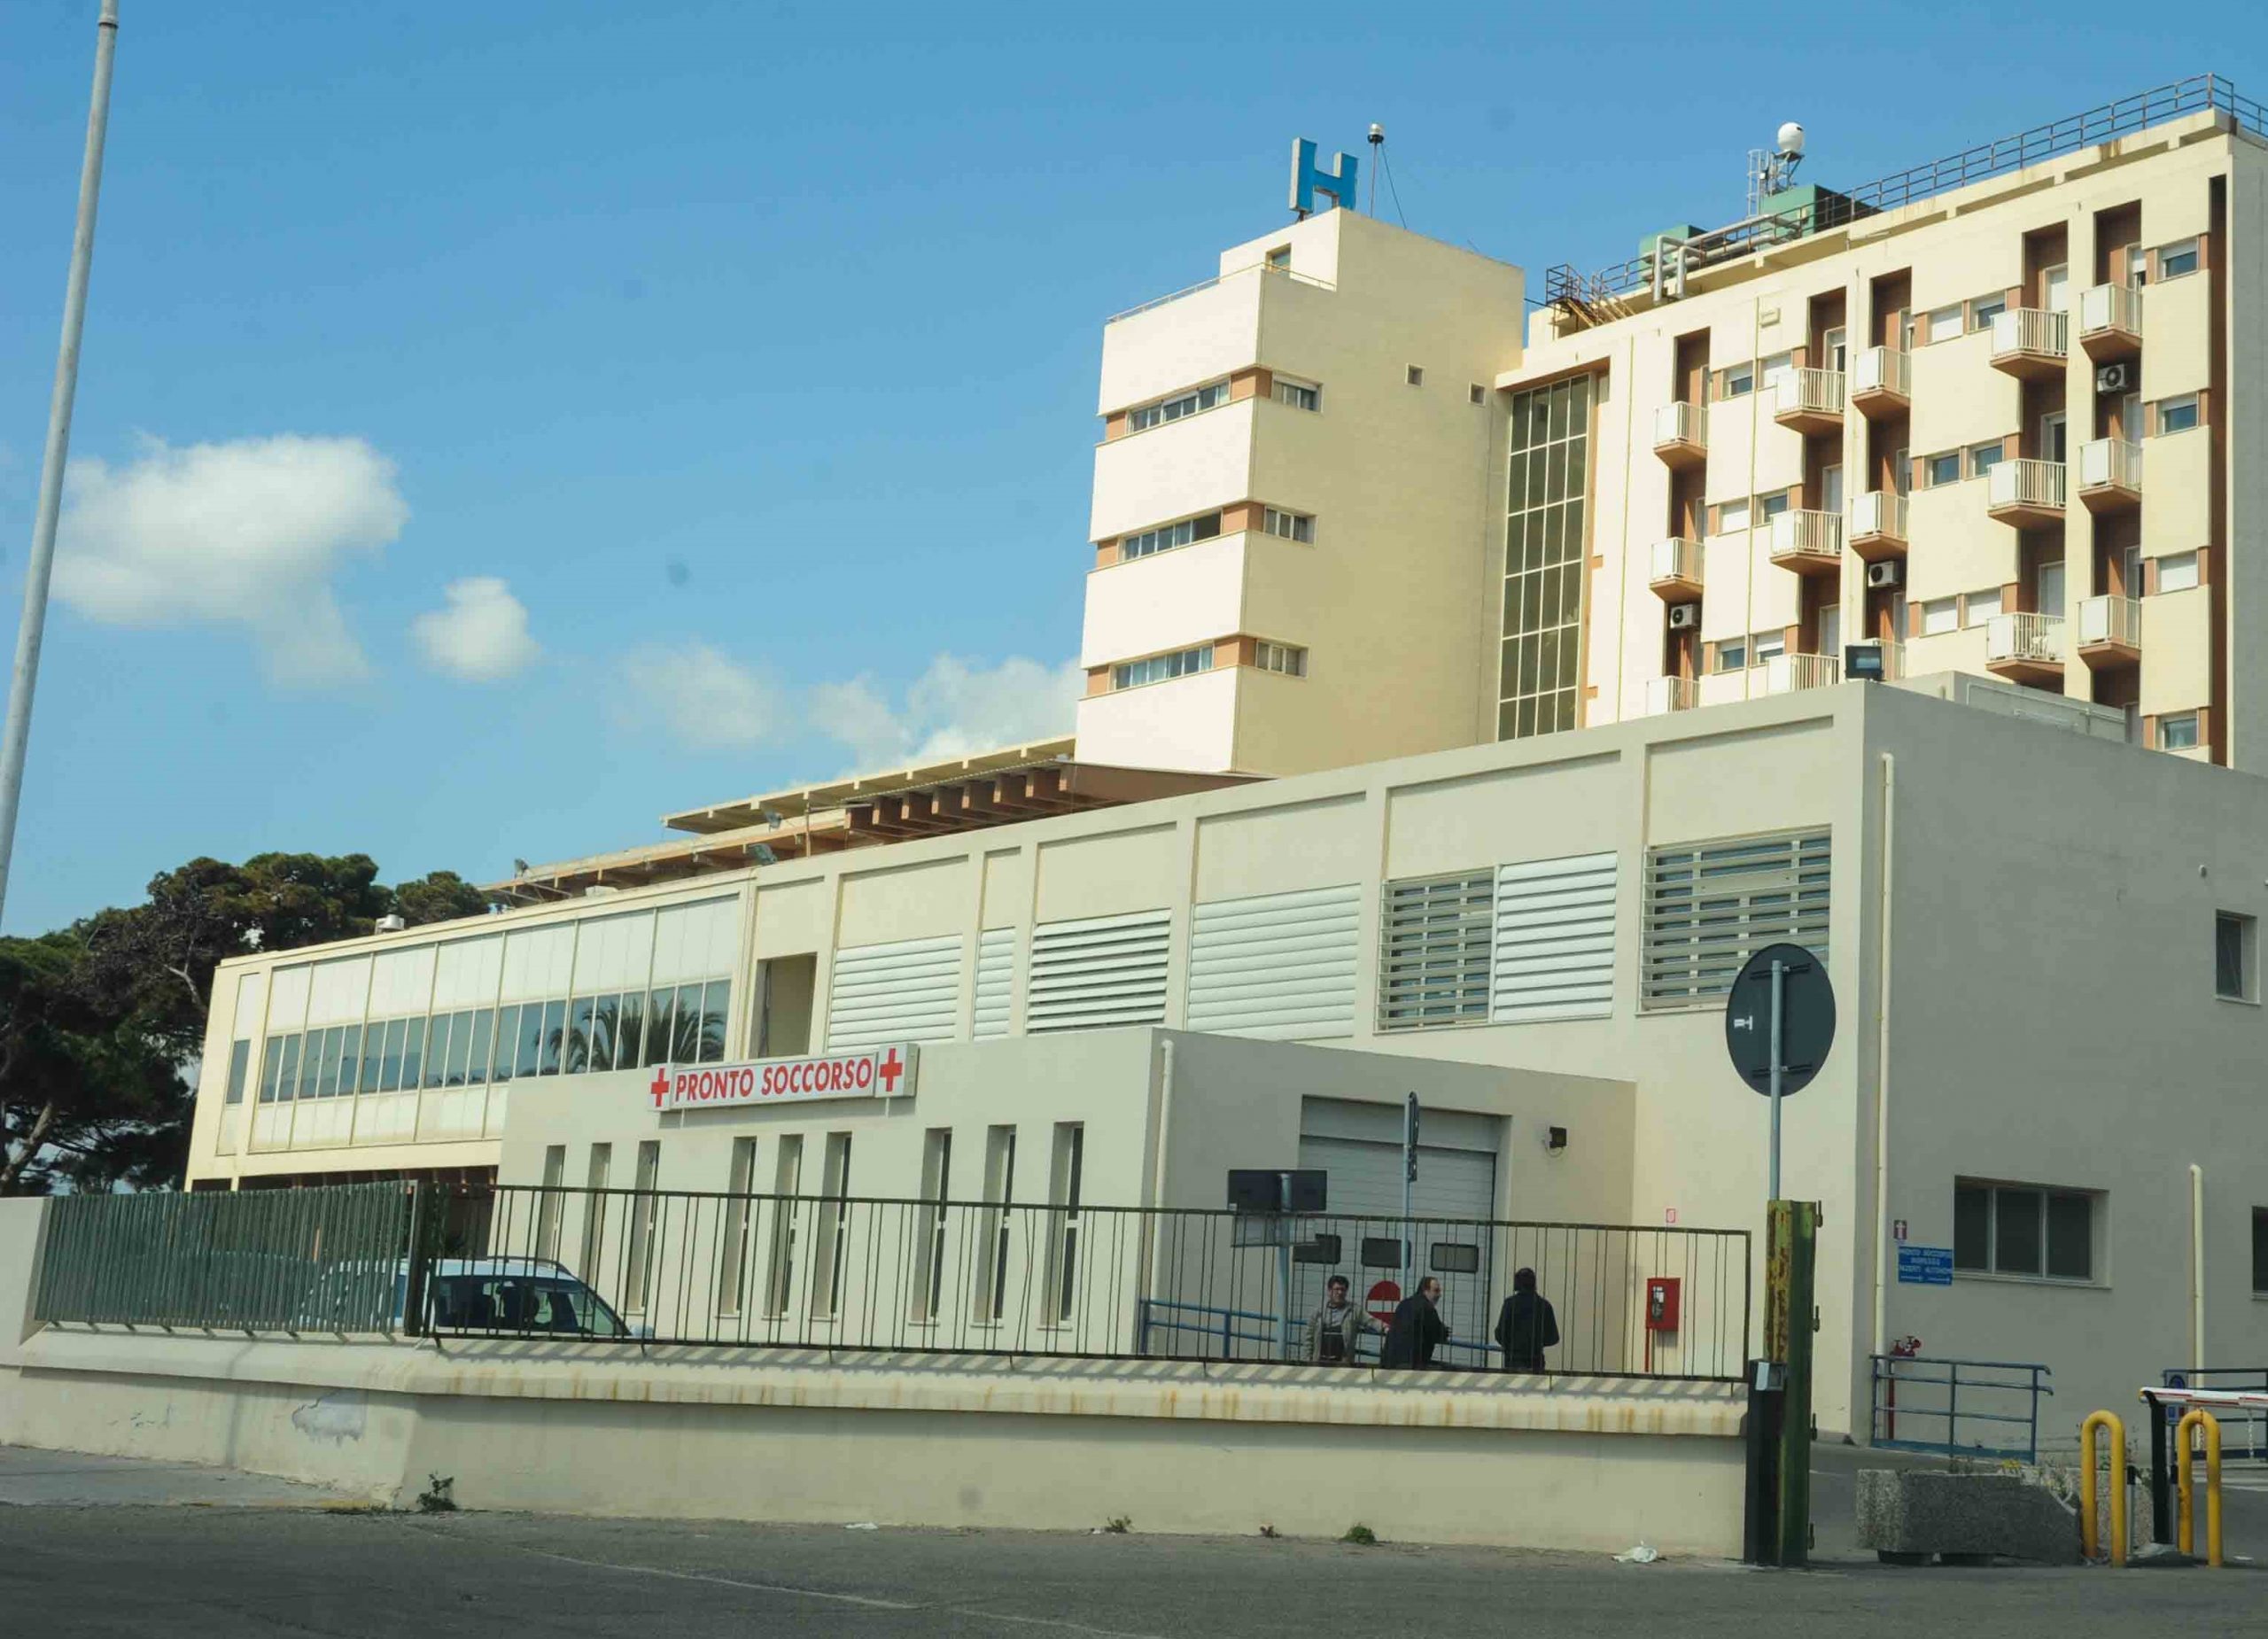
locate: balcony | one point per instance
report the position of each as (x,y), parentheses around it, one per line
(2110,633)
(1676,574)
(2111,322)
(1877,529)
(2111,475)
(2026,494)
(2030,342)
(2025,648)
(1681,434)
(1810,543)
(1882,382)
(1784,674)
(1665,694)
(1809,401)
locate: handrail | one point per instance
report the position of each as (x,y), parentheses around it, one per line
(1809,391)
(1883,370)
(1680,423)
(1676,558)
(1878,512)
(1219,278)
(1890,1373)
(2031,330)
(2117,462)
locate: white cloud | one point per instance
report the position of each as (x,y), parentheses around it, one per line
(700,695)
(247,533)
(951,709)
(482,634)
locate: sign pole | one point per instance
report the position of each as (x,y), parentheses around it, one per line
(1283,1267)
(1779,1001)
(1408,1180)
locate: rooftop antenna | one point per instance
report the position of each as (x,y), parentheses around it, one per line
(1771,173)
(1378,146)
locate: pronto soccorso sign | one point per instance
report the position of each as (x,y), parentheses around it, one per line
(884,1072)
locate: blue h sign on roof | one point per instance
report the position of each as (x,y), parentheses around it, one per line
(1306,180)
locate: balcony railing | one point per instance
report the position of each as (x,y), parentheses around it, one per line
(1807,542)
(1882,381)
(1809,401)
(2027,492)
(2031,341)
(2111,320)
(2110,630)
(1878,525)
(1676,570)
(1665,694)
(1260,269)
(1681,433)
(2024,644)
(2110,474)
(1784,674)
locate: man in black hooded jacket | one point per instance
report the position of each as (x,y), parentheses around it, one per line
(1416,1329)
(1525,1327)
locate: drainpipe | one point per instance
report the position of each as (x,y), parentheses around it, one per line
(1883,1252)
(1157,1172)
(2197,1265)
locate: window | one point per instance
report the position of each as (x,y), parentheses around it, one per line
(1984,457)
(1479,394)
(2178,572)
(1063,1194)
(2004,1229)
(1166,537)
(1732,517)
(1205,398)
(1291,525)
(1984,309)
(2234,950)
(1733,655)
(1768,646)
(2178,259)
(1779,368)
(992,1288)
(731,1263)
(1157,668)
(1982,606)
(1770,506)
(1298,394)
(930,1243)
(2178,415)
(239,1066)
(638,1271)
(1433,950)
(1709,905)
(1946,322)
(834,1216)
(2260,1251)
(1740,380)
(1415,375)
(554,1202)
(1280,657)
(1545,542)
(1944,467)
(1942,614)
(2137,266)
(2178,732)
(1281,258)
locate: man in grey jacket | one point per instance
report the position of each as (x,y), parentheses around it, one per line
(1333,1328)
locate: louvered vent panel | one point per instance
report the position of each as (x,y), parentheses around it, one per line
(1102,971)
(1279,966)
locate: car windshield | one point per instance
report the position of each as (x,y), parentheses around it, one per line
(519,1302)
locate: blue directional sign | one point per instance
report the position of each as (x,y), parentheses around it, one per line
(1925,1266)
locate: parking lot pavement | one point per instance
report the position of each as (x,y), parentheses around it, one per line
(215,1571)
(30,1476)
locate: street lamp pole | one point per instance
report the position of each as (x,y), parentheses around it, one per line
(17,733)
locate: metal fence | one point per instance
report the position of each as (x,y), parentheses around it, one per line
(1962,1408)
(819,1272)
(249,1261)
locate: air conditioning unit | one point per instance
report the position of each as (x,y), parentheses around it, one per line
(1685,617)
(1889,573)
(391,924)
(2113,378)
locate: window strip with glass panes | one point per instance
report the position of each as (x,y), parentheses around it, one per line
(1291,525)
(1157,668)
(1166,537)
(1546,552)
(1287,658)
(1174,408)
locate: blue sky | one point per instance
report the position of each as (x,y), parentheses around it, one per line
(735,365)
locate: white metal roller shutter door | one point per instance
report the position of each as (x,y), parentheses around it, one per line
(1366,1181)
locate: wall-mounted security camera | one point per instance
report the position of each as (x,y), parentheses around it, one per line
(1555,1140)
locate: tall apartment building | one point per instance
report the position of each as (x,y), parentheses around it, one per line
(1994,419)
(1295,469)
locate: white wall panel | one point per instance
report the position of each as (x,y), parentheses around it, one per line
(251,991)
(340,990)
(614,952)
(466,972)
(538,961)
(907,990)
(996,982)
(401,981)
(1555,940)
(696,940)
(287,1008)
(1280,965)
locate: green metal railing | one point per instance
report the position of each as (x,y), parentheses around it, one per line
(282,1260)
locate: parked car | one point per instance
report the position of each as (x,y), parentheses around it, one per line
(510,1297)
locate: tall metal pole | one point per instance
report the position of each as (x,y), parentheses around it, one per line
(1779,995)
(17,733)
(1409,1186)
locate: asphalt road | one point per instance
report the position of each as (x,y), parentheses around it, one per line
(194,1570)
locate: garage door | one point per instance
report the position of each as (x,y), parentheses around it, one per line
(1360,1146)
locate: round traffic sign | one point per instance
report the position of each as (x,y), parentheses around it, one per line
(1806,1018)
(1384,1298)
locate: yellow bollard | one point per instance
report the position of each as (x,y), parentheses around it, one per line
(2199,1417)
(2117,1427)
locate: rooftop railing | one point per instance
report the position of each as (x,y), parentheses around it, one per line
(1222,278)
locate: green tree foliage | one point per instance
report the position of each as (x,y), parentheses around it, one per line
(100,1023)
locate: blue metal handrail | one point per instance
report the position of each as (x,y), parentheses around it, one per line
(1890,1373)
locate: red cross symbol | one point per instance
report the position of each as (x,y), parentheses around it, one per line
(661,1087)
(891,1067)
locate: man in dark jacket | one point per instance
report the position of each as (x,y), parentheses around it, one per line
(1525,1327)
(1416,1329)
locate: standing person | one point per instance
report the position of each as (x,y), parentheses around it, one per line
(1333,1328)
(1416,1329)
(1526,1327)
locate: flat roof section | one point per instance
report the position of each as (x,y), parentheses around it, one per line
(801,800)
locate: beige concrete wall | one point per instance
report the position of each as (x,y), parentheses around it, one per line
(2245,481)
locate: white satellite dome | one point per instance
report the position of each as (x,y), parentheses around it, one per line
(1791,138)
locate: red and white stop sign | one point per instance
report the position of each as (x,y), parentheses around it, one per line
(1383,1299)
